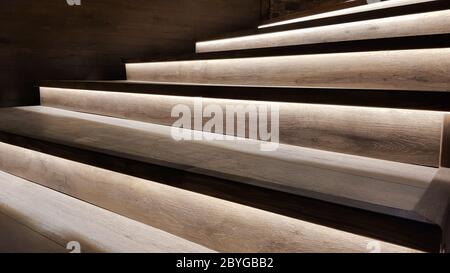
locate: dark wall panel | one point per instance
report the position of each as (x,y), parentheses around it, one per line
(48,39)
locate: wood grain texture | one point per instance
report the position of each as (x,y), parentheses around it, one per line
(218,224)
(436,22)
(425,70)
(48,39)
(65,219)
(445,143)
(397,230)
(419,7)
(338,178)
(18,238)
(412,100)
(390,134)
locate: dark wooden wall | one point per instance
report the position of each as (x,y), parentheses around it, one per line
(48,39)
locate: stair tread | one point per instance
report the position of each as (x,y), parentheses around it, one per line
(209,221)
(381,70)
(387,8)
(340,17)
(377,185)
(65,219)
(435,22)
(439,101)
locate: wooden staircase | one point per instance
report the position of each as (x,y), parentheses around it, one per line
(363,99)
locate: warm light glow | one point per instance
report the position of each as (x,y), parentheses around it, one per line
(418,69)
(437,22)
(230,227)
(374,6)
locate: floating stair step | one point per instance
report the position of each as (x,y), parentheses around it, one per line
(422,70)
(52,94)
(406,136)
(362,12)
(214,222)
(368,12)
(65,219)
(18,238)
(382,44)
(387,188)
(436,22)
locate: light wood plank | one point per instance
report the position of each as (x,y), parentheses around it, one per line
(406,136)
(421,69)
(215,223)
(437,22)
(65,219)
(393,188)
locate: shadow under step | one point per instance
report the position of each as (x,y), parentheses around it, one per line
(385,195)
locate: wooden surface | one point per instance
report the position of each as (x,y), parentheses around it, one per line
(437,22)
(215,223)
(64,219)
(436,101)
(423,70)
(18,238)
(49,39)
(389,134)
(381,226)
(339,178)
(422,6)
(445,142)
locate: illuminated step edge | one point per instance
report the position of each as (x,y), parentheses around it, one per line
(345,129)
(437,22)
(71,222)
(353,10)
(339,178)
(421,69)
(215,223)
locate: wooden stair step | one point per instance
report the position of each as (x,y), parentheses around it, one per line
(351,130)
(362,13)
(215,223)
(429,23)
(65,219)
(340,179)
(422,70)
(435,101)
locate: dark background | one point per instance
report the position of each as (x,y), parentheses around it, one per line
(47,39)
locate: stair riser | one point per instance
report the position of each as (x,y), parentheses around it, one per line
(423,70)
(217,224)
(402,26)
(393,134)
